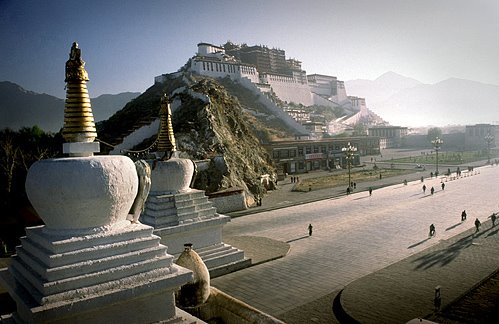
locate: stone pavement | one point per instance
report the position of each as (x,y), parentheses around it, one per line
(355,236)
(405,290)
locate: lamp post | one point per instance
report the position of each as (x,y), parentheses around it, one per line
(349,151)
(488,138)
(436,145)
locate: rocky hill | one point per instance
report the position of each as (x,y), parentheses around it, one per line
(210,124)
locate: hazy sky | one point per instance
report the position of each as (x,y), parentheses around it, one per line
(126,43)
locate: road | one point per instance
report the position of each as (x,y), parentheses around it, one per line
(353,236)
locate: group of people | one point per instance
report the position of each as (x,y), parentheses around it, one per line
(432,189)
(478,224)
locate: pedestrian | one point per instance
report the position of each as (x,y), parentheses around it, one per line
(477,224)
(405,182)
(443,186)
(310,229)
(463,215)
(432,190)
(348,190)
(431,175)
(380,176)
(355,185)
(422,179)
(370,191)
(432,230)
(424,189)
(493,217)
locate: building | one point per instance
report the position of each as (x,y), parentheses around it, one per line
(480,136)
(392,136)
(299,156)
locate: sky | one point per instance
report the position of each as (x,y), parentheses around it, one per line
(125,44)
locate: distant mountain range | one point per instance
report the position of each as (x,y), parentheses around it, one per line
(20,107)
(407,102)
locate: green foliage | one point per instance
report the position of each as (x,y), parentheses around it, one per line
(433,133)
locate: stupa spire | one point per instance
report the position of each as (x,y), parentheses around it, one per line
(79,123)
(166,138)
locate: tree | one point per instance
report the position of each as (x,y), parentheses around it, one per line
(433,133)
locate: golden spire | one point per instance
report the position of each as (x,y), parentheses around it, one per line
(79,123)
(166,138)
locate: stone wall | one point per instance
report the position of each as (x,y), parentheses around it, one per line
(229,200)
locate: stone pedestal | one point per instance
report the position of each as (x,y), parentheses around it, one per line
(121,275)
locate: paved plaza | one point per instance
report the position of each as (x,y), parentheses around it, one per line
(354,236)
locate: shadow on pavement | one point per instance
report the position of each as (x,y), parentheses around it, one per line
(419,243)
(493,232)
(445,256)
(362,197)
(296,239)
(453,226)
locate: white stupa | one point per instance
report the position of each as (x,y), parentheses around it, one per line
(88,263)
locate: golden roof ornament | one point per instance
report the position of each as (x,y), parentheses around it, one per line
(79,123)
(166,138)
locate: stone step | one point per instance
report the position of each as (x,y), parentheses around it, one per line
(159,205)
(206,251)
(92,265)
(21,269)
(61,244)
(198,214)
(52,260)
(234,255)
(171,220)
(229,267)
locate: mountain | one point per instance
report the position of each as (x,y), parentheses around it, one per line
(380,89)
(20,107)
(104,106)
(408,102)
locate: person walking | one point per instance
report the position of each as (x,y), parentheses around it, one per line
(310,227)
(432,230)
(424,189)
(477,224)
(370,191)
(463,215)
(443,186)
(493,217)
(432,190)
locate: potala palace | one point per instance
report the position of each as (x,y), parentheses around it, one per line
(267,71)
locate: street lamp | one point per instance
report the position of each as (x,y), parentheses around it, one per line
(349,151)
(488,138)
(436,145)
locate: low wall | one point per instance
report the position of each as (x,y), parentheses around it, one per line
(228,200)
(226,309)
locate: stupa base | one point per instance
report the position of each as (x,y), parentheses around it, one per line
(122,275)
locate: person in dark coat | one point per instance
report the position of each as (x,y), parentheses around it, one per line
(443,186)
(493,217)
(477,224)
(432,190)
(432,230)
(310,227)
(463,215)
(424,189)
